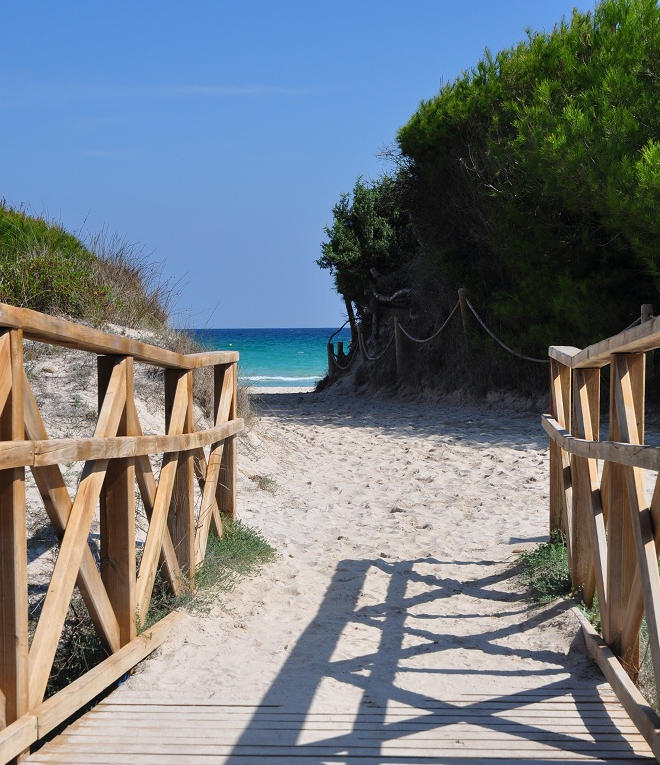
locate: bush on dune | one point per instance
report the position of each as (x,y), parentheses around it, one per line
(45,268)
(534,181)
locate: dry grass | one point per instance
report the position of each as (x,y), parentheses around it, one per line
(140,297)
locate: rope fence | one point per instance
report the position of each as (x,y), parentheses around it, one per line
(378,356)
(463,303)
(501,342)
(436,333)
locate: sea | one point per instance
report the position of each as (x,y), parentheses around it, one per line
(276,358)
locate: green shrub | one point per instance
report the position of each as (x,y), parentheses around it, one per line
(533,180)
(240,552)
(44,268)
(536,178)
(545,570)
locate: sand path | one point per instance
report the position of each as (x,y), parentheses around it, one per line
(391,628)
(396,525)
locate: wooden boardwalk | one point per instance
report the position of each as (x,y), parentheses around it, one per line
(565,724)
(429,680)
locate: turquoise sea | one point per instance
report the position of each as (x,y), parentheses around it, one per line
(288,358)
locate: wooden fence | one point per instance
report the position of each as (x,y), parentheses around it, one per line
(117,592)
(599,500)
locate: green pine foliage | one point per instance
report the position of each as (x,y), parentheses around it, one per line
(534,181)
(370,229)
(536,177)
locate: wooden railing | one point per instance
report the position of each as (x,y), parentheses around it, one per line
(611,526)
(118,592)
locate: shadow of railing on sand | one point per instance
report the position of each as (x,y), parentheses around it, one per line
(297,718)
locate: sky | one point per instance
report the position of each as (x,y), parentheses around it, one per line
(217,136)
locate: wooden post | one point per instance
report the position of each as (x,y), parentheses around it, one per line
(117,513)
(331,361)
(181,517)
(226,493)
(13,540)
(398,349)
(646,314)
(462,295)
(560,408)
(341,356)
(622,557)
(585,423)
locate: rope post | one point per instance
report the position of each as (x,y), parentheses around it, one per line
(646,314)
(331,361)
(398,348)
(462,296)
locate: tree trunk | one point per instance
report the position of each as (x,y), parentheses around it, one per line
(351,320)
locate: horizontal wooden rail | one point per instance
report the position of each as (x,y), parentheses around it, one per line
(640,339)
(635,455)
(56,451)
(117,593)
(49,329)
(611,525)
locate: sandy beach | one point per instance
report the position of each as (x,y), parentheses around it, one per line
(397,525)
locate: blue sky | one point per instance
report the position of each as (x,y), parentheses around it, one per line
(217,135)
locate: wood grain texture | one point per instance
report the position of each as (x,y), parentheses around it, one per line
(226,490)
(168,562)
(641,713)
(223,397)
(13,543)
(50,713)
(590,525)
(637,455)
(622,558)
(181,516)
(117,512)
(55,331)
(55,451)
(162,727)
(158,523)
(645,337)
(561,479)
(73,545)
(57,502)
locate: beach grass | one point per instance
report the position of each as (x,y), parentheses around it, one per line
(241,551)
(545,570)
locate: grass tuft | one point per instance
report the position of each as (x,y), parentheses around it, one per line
(79,649)
(240,552)
(545,570)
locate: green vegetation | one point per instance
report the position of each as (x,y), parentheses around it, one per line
(371,232)
(47,269)
(534,181)
(265,483)
(545,570)
(240,552)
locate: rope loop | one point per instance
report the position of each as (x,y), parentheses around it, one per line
(500,342)
(380,355)
(435,334)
